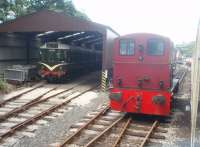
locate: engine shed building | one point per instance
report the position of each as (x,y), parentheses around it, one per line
(21,38)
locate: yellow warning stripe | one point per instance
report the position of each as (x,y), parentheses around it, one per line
(103,81)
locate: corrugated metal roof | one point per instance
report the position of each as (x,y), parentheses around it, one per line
(46,20)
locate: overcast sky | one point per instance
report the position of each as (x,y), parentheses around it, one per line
(176,19)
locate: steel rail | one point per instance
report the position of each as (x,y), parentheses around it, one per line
(102,133)
(17,96)
(142,134)
(70,138)
(122,132)
(149,133)
(23,107)
(30,104)
(38,116)
(182,77)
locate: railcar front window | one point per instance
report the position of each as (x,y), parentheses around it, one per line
(122,47)
(52,56)
(155,47)
(126,47)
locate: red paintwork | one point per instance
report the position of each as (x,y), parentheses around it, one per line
(128,101)
(48,73)
(129,69)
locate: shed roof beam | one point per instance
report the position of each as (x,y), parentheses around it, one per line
(45,33)
(72,35)
(84,38)
(54,36)
(95,40)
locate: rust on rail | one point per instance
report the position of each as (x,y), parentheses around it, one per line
(149,133)
(33,103)
(17,96)
(122,132)
(102,133)
(38,116)
(70,138)
(23,107)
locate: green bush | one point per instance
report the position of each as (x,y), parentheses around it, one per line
(3,85)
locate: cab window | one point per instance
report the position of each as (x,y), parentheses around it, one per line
(126,47)
(155,47)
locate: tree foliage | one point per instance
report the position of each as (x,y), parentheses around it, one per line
(10,9)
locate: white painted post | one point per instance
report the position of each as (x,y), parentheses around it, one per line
(195,79)
(104,78)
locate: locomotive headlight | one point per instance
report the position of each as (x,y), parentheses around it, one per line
(158,99)
(115,96)
(60,68)
(141,58)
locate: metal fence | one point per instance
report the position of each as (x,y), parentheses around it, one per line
(195,83)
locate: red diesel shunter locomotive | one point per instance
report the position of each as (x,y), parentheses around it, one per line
(142,74)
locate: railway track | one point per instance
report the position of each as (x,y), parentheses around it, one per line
(108,128)
(183,74)
(122,130)
(180,74)
(3,102)
(19,112)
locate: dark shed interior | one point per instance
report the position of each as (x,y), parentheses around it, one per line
(21,38)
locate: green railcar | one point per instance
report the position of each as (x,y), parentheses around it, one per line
(61,62)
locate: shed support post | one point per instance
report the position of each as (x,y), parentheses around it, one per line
(27,50)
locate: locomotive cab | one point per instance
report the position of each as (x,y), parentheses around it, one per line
(142,71)
(52,56)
